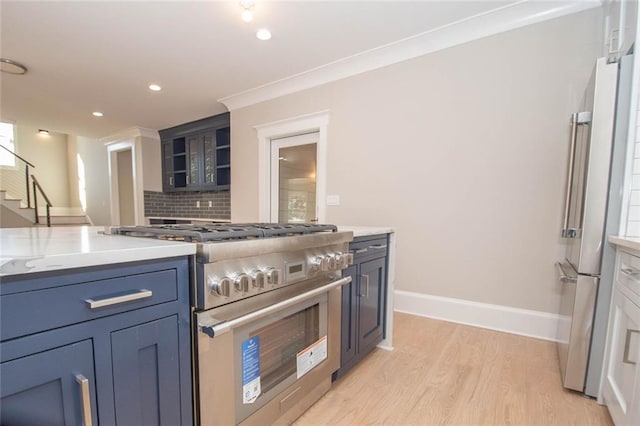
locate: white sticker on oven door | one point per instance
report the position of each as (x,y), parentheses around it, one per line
(250,370)
(311,356)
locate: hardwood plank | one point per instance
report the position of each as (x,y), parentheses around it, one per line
(443,373)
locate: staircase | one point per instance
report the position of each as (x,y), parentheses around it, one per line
(13,214)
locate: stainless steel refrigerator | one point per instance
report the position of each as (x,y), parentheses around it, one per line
(597,151)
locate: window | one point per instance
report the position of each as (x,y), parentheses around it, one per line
(7,140)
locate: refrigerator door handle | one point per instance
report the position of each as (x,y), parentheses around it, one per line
(577,119)
(563,276)
(572,161)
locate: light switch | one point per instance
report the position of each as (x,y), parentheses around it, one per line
(333,200)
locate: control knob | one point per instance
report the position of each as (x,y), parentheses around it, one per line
(241,283)
(320,263)
(273,276)
(348,259)
(333,262)
(258,279)
(221,287)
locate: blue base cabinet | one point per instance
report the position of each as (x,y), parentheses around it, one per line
(45,388)
(363,300)
(116,349)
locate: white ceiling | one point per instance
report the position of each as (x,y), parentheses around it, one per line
(101,55)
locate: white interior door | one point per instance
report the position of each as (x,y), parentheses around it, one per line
(294,194)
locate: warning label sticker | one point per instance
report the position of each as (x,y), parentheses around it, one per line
(250,370)
(311,356)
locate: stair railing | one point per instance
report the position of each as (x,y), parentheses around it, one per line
(26,175)
(36,185)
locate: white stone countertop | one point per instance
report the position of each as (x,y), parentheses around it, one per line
(362,231)
(625,242)
(42,249)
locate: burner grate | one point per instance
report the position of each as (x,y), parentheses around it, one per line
(222,232)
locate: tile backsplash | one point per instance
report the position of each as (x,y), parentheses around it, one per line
(185,204)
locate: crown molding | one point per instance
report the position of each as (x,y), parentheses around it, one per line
(502,19)
(130,134)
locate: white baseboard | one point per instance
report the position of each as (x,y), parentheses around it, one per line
(541,325)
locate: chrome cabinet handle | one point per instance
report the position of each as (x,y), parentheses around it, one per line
(139,294)
(360,251)
(171,180)
(86,399)
(378,246)
(630,272)
(366,286)
(563,277)
(627,346)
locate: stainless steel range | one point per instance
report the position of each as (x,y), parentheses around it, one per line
(266,323)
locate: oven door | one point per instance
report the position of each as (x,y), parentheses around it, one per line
(256,366)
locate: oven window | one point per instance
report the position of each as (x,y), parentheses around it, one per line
(281,341)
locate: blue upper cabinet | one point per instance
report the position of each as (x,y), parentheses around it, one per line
(196,156)
(108,343)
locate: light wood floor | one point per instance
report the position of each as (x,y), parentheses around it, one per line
(442,373)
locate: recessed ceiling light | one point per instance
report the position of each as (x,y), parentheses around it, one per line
(43,132)
(12,67)
(263,34)
(155,87)
(247,15)
(247,10)
(97,114)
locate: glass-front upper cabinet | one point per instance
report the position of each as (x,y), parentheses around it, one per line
(196,156)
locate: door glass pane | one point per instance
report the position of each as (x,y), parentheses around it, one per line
(297,184)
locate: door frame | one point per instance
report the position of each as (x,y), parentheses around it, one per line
(315,122)
(128,139)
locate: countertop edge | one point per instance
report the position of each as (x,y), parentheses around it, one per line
(363,231)
(78,247)
(625,242)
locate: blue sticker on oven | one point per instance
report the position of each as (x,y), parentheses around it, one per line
(250,370)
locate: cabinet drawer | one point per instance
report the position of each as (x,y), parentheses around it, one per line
(369,249)
(45,309)
(628,273)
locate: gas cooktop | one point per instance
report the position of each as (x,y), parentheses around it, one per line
(222,231)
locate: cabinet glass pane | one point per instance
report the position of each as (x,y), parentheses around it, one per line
(224,157)
(224,176)
(223,136)
(209,159)
(179,163)
(178,146)
(193,160)
(180,179)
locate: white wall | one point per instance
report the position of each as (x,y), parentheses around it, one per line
(151,163)
(49,156)
(462,151)
(93,155)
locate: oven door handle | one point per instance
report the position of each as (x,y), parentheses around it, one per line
(224,327)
